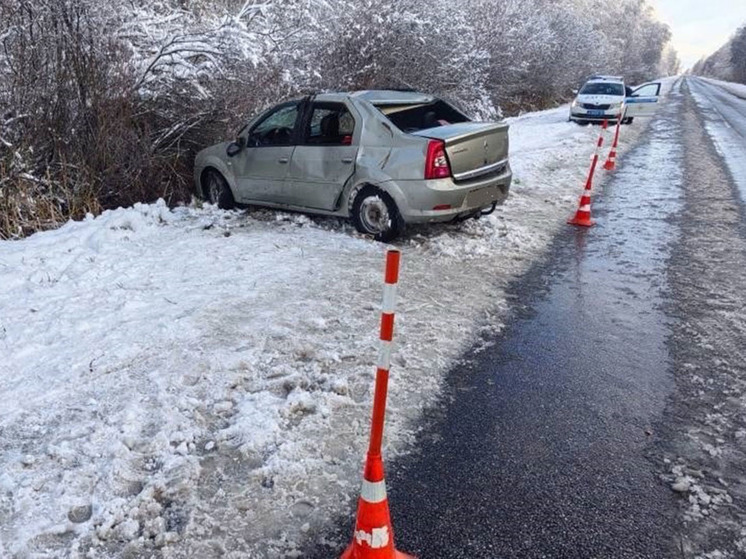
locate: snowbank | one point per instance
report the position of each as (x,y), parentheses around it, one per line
(199,381)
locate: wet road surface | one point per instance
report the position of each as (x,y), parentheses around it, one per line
(541,448)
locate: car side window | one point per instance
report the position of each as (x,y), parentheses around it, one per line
(330,124)
(649,90)
(276,129)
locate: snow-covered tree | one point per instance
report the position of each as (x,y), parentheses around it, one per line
(738,55)
(104,102)
(670,65)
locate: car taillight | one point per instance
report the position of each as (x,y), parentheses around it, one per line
(436,164)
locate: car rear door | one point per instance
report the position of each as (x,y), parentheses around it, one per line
(324,159)
(262,166)
(644,100)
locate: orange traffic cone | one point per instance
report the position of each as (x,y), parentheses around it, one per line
(374,535)
(583,215)
(610,164)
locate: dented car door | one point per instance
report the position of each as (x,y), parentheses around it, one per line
(324,159)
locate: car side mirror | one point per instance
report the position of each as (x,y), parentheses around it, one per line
(234,148)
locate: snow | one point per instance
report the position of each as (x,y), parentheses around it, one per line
(202,379)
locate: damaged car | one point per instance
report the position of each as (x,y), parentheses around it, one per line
(382,158)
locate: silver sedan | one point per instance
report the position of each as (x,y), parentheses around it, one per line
(381,158)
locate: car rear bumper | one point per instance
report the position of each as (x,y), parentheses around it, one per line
(421,201)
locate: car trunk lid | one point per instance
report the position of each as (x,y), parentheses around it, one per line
(473,148)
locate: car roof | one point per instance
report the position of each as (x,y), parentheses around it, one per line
(377,96)
(392,97)
(374,96)
(596,79)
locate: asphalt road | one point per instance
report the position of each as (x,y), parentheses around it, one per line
(705,425)
(560,440)
(723,114)
(729,106)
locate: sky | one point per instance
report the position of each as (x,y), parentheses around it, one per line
(700,27)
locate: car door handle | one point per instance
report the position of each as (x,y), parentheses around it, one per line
(283,160)
(347,160)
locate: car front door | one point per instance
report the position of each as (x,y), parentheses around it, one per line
(324,159)
(262,166)
(643,101)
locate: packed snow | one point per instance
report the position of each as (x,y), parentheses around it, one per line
(193,382)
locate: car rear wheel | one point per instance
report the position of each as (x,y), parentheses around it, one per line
(218,192)
(374,213)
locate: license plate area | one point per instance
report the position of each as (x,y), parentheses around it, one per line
(595,113)
(482,197)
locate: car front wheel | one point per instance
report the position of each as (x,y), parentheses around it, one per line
(374,213)
(218,192)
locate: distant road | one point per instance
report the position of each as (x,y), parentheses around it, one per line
(731,107)
(724,113)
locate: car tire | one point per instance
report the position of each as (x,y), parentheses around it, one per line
(374,213)
(217,191)
(628,120)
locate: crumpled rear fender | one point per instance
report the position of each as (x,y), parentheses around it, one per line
(382,167)
(386,185)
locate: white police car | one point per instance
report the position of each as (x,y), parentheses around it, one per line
(607,98)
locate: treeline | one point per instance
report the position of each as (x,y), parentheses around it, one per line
(727,63)
(104,103)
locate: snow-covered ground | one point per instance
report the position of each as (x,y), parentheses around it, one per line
(197,383)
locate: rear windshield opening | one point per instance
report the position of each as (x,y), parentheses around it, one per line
(421,116)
